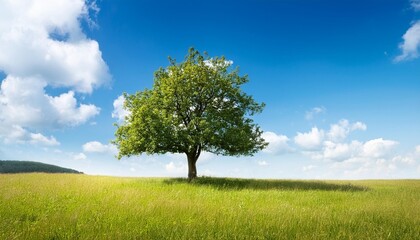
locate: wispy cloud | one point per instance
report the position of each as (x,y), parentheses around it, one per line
(39,138)
(415,4)
(309,115)
(79,156)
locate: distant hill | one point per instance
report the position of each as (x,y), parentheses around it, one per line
(28,167)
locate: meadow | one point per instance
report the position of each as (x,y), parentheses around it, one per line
(74,206)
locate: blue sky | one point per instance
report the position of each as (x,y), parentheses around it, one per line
(341,80)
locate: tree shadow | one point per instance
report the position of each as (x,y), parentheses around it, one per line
(259,184)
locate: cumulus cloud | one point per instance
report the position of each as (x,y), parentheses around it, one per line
(68,111)
(355,150)
(48,42)
(309,115)
(119,112)
(377,148)
(23,102)
(42,45)
(340,151)
(311,140)
(410,44)
(341,130)
(276,143)
(333,146)
(97,147)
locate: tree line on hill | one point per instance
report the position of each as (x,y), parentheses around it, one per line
(29,167)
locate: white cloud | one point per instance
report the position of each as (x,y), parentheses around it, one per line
(79,156)
(27,28)
(17,134)
(341,130)
(333,146)
(411,43)
(311,140)
(41,139)
(42,45)
(97,147)
(68,111)
(13,133)
(377,148)
(119,112)
(358,126)
(355,150)
(276,143)
(341,151)
(24,102)
(309,115)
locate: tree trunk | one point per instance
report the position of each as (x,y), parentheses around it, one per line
(192,169)
(192,157)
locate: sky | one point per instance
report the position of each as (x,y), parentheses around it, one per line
(340,80)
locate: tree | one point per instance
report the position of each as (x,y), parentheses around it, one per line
(194,106)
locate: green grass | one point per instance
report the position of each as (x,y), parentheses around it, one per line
(68,206)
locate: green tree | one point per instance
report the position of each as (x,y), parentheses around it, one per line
(196,105)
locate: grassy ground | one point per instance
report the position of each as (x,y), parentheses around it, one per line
(65,206)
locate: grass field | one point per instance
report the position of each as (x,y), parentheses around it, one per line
(66,206)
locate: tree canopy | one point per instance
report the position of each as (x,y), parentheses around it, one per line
(196,105)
